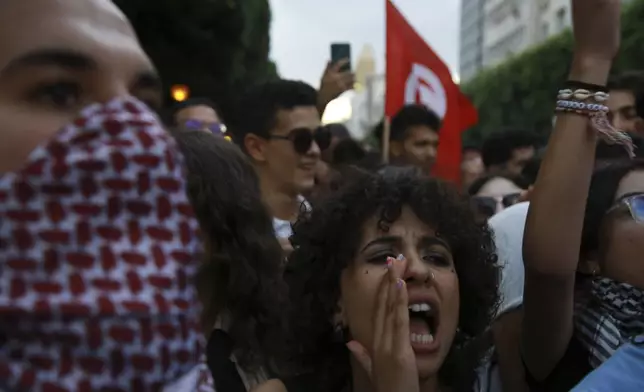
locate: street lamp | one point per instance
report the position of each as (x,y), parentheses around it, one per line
(180,92)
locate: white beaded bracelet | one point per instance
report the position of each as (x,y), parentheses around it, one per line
(582,95)
(581,107)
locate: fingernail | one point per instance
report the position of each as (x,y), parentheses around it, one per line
(400,257)
(390,262)
(400,283)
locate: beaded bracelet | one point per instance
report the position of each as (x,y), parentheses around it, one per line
(580,107)
(582,95)
(597,115)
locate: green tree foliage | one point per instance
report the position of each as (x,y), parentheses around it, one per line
(521,92)
(212,46)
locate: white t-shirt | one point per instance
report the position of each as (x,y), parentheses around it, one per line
(508,227)
(283,228)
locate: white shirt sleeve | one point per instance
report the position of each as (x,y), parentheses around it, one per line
(508,227)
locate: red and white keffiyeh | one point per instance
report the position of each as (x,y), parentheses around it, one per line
(97,253)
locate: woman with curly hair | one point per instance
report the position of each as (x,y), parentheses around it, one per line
(392,285)
(240,281)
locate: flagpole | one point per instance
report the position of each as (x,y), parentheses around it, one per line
(386,134)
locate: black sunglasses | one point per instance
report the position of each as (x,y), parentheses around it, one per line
(303,138)
(487,205)
(634,204)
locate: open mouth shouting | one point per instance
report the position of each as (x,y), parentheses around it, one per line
(423,326)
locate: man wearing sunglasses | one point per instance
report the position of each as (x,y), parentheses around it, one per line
(198,114)
(277,124)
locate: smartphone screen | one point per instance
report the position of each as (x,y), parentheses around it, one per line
(341,51)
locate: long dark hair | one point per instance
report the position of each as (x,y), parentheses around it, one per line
(241,274)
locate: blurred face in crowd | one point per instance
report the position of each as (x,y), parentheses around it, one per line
(327,154)
(622,232)
(496,195)
(419,148)
(199,114)
(431,280)
(623,115)
(520,157)
(276,156)
(471,167)
(72,54)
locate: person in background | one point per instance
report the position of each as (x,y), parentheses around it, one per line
(198,114)
(339,133)
(508,151)
(333,83)
(622,104)
(240,280)
(324,171)
(605,153)
(413,139)
(472,167)
(494,193)
(277,125)
(531,170)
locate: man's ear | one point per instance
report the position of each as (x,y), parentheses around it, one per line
(255,147)
(396,149)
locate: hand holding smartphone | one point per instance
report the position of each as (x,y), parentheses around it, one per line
(341,52)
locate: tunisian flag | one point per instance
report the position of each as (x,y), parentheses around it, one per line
(416,75)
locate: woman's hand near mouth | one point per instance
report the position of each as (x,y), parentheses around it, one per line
(391,363)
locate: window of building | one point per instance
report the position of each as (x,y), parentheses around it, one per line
(561,19)
(545,31)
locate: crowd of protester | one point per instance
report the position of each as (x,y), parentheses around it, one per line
(277,254)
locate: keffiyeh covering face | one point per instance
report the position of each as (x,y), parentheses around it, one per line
(97,252)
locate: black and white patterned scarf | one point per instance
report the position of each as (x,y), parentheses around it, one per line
(613,316)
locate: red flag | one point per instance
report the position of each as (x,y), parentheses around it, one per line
(415,74)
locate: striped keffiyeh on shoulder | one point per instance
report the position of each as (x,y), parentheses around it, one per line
(613,316)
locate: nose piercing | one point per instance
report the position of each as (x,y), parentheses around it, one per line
(430,277)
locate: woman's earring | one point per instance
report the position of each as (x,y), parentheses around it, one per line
(338,333)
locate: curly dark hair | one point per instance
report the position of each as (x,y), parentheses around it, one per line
(242,271)
(326,240)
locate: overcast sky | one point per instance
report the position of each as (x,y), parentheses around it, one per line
(302,31)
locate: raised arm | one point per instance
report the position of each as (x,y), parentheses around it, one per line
(553,230)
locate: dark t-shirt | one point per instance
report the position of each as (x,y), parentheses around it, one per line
(570,370)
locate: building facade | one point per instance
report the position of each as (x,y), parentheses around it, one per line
(471,37)
(512,26)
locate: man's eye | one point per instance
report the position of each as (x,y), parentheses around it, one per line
(63,95)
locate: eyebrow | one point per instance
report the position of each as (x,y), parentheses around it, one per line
(386,240)
(61,58)
(424,241)
(149,80)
